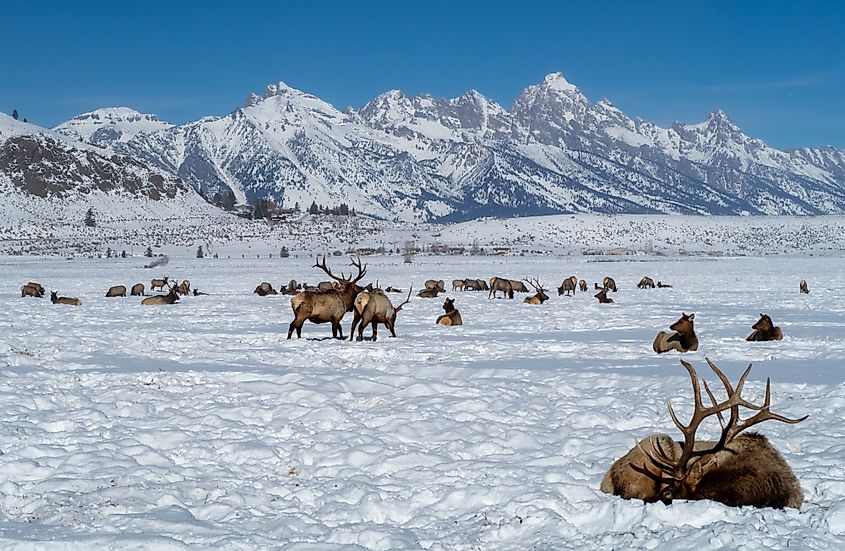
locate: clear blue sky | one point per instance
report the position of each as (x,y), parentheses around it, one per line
(777,68)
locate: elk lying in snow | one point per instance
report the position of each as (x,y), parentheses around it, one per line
(683,339)
(161,283)
(540,296)
(197,293)
(292,288)
(30,290)
(373,307)
(170,298)
(452,315)
(583,285)
(646,283)
(661,285)
(428,293)
(56,299)
(765,330)
(327,306)
(265,289)
(326,286)
(737,470)
(802,287)
(137,290)
(603,298)
(392,290)
(116,291)
(498,284)
(568,286)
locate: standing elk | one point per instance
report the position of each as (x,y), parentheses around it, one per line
(170,298)
(137,290)
(459,284)
(765,330)
(802,287)
(184,288)
(327,306)
(646,283)
(161,283)
(540,296)
(603,298)
(116,291)
(373,307)
(452,315)
(56,299)
(518,286)
(683,339)
(582,284)
(264,289)
(737,470)
(437,284)
(30,290)
(609,284)
(500,284)
(568,286)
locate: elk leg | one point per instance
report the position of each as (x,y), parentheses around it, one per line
(375,330)
(391,328)
(355,321)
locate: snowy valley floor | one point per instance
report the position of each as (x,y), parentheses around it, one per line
(199,425)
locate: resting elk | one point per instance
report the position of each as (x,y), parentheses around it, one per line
(428,293)
(603,298)
(583,285)
(30,290)
(264,289)
(56,299)
(568,286)
(373,307)
(498,284)
(437,284)
(646,283)
(540,296)
(137,290)
(683,339)
(802,287)
(116,291)
(170,298)
(184,288)
(737,470)
(452,315)
(765,330)
(327,306)
(161,283)
(661,285)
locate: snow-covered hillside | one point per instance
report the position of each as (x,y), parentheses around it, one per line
(113,124)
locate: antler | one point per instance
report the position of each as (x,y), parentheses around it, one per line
(361,270)
(678,468)
(535,283)
(322,266)
(407,300)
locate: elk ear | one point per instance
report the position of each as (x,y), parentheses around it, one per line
(692,316)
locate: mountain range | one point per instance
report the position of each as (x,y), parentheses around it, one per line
(435,159)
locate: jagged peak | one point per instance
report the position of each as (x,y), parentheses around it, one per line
(116,114)
(556,81)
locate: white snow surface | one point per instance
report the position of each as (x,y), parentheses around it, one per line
(199,426)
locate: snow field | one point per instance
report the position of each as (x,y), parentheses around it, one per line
(199,425)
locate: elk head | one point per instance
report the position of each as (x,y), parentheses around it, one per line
(449,305)
(540,296)
(764,324)
(345,283)
(684,324)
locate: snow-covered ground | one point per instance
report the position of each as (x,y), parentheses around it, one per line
(199,425)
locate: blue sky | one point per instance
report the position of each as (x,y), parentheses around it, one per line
(776,68)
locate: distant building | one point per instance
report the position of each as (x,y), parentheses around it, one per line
(365,251)
(620,251)
(501,250)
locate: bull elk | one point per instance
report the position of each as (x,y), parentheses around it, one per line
(161,283)
(683,339)
(568,286)
(170,298)
(264,289)
(582,284)
(802,287)
(116,291)
(137,290)
(646,283)
(30,290)
(373,307)
(765,330)
(56,299)
(452,315)
(540,296)
(737,470)
(603,298)
(498,284)
(327,306)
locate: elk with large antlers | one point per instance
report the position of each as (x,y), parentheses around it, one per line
(540,296)
(373,307)
(683,339)
(765,330)
(737,470)
(327,306)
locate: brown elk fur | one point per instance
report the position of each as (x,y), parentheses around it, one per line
(371,308)
(683,339)
(264,289)
(184,288)
(55,299)
(540,296)
(568,286)
(603,298)
(437,284)
(428,293)
(116,291)
(197,293)
(738,470)
(802,287)
(518,286)
(31,291)
(326,306)
(161,283)
(452,315)
(170,298)
(583,285)
(646,283)
(765,330)
(609,284)
(458,284)
(662,285)
(498,284)
(137,290)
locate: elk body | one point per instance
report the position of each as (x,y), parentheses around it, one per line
(264,289)
(518,286)
(583,285)
(292,288)
(30,290)
(428,293)
(438,284)
(137,290)
(646,283)
(116,291)
(568,286)
(609,284)
(802,287)
(326,306)
(661,285)
(765,330)
(184,288)
(737,470)
(683,339)
(373,307)
(499,284)
(458,284)
(161,283)
(170,298)
(540,296)
(603,298)
(452,315)
(56,299)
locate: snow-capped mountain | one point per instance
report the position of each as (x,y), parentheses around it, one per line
(429,158)
(110,125)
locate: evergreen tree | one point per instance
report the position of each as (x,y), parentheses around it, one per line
(149,252)
(284,253)
(122,254)
(313,209)
(200,254)
(108,252)
(89,218)
(15,114)
(296,206)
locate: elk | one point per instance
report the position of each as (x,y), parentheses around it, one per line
(30,290)
(802,287)
(292,288)
(482,285)
(646,283)
(264,289)
(459,284)
(603,298)
(326,286)
(500,284)
(116,291)
(518,286)
(373,307)
(683,339)
(438,284)
(452,315)
(137,290)
(609,284)
(568,286)
(540,296)
(184,288)
(158,282)
(56,299)
(737,470)
(327,306)
(765,330)
(197,293)
(661,285)
(392,290)
(583,285)
(428,293)
(170,298)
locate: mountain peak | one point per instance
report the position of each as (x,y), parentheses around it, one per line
(556,81)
